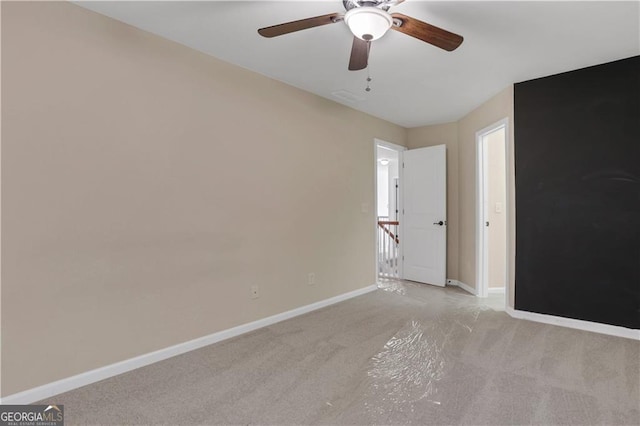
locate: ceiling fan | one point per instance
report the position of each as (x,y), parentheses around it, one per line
(369,20)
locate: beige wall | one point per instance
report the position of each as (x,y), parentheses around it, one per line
(146,187)
(447,134)
(460,138)
(496,193)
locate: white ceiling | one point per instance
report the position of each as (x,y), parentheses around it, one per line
(414,83)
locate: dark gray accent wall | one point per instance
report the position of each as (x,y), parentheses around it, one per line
(577,161)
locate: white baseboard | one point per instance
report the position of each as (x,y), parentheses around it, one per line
(92,376)
(497,290)
(462,285)
(595,327)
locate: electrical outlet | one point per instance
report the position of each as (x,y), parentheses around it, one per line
(311,279)
(255,292)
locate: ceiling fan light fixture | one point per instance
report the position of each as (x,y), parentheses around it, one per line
(368,23)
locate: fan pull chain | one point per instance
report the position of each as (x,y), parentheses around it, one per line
(368,89)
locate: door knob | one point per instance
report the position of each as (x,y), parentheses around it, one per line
(439,223)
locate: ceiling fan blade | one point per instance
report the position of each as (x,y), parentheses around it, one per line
(302,24)
(359,54)
(427,32)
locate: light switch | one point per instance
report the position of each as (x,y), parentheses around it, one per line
(498,207)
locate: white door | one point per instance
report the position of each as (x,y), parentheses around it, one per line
(424,235)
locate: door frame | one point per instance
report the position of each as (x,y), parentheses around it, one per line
(399,149)
(482,285)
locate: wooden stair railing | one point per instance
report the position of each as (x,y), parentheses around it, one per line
(388,248)
(383,224)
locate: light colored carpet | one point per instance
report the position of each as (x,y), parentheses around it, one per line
(405,354)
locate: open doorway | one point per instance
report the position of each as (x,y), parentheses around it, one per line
(411,213)
(388,199)
(492,214)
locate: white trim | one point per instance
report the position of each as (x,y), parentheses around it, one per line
(496,290)
(462,285)
(479,214)
(389,145)
(92,376)
(481,240)
(375,206)
(594,327)
(401,213)
(482,244)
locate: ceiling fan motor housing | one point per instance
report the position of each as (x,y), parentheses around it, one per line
(368,22)
(383,4)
